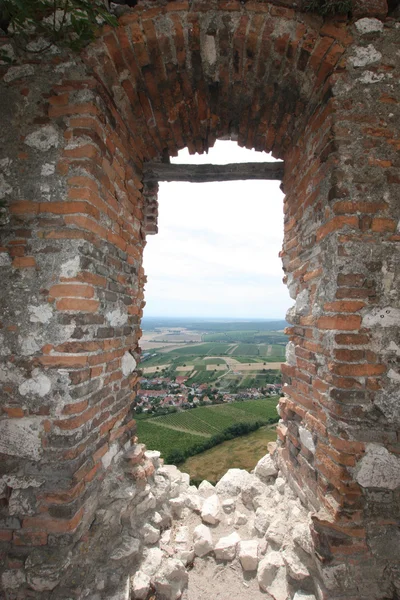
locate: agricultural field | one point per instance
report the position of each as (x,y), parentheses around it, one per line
(163,439)
(181,430)
(241,453)
(235,344)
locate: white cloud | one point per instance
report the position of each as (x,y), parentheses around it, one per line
(216,253)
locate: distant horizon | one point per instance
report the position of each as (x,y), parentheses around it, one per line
(203,318)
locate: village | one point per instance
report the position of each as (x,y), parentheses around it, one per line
(170,394)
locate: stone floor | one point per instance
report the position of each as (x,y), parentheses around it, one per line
(246,537)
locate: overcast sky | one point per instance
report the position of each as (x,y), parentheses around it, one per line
(216,253)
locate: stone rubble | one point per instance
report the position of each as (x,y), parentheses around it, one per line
(251,523)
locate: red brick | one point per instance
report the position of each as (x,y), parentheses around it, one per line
(73,409)
(52,525)
(361,370)
(30,538)
(77,305)
(23,262)
(63,361)
(69,290)
(341,322)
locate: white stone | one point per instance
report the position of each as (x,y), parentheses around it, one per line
(13,579)
(29,344)
(70,268)
(265,467)
(128,363)
(22,483)
(248,555)
(301,535)
(38,385)
(109,455)
(240,519)
(147,504)
(364,56)
(279,588)
(5,259)
(157,519)
(276,531)
(202,539)
(262,520)
(209,50)
(370,77)
(296,569)
(165,538)
(18,73)
(368,25)
(290,353)
(304,596)
(154,456)
(128,546)
(385,317)
(140,585)
(177,505)
(302,306)
(182,535)
(5,188)
(280,484)
(43,139)
(378,468)
(21,437)
(393,375)
(306,439)
(40,314)
(206,489)
(251,490)
(210,512)
(225,548)
(8,52)
(268,569)
(171,579)
(48,169)
(194,502)
(21,504)
(117,318)
(232,482)
(152,561)
(186,556)
(150,534)
(184,482)
(228,505)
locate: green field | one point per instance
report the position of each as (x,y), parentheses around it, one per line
(163,439)
(241,453)
(183,430)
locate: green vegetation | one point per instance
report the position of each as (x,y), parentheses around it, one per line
(183,434)
(72,23)
(328,7)
(240,453)
(203,350)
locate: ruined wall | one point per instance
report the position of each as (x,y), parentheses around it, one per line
(71,255)
(320,95)
(341,253)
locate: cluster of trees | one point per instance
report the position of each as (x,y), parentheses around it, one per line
(178,456)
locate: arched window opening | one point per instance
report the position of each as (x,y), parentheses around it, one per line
(213,323)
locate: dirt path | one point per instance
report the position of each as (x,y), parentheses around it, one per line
(182,429)
(232,350)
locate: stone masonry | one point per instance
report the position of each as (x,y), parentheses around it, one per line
(323,95)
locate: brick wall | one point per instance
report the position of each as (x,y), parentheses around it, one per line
(320,95)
